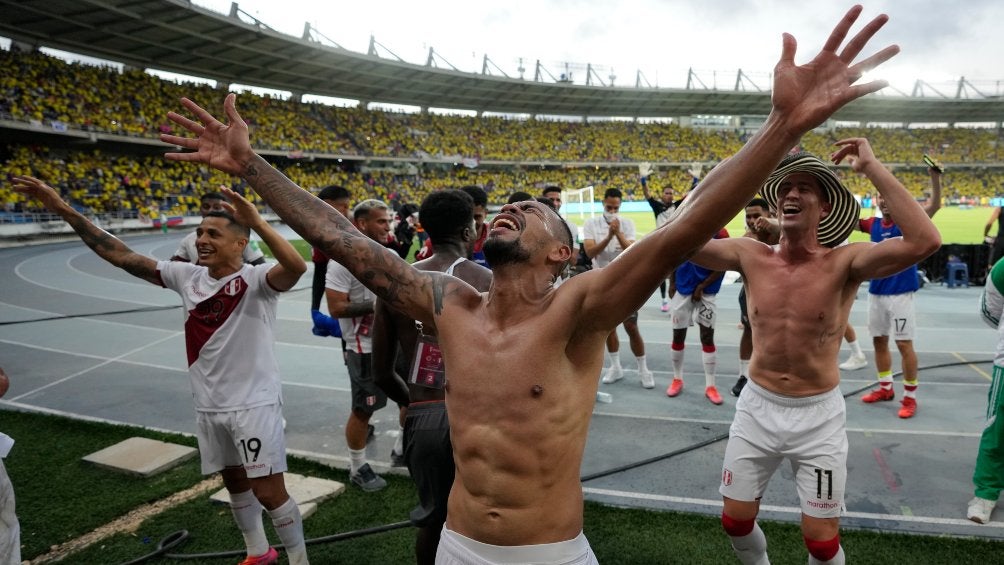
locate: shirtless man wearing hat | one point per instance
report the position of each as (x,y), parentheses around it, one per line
(519,429)
(799,294)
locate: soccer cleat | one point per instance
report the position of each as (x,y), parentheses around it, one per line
(909,408)
(664,307)
(712,394)
(740,383)
(397,459)
(980,509)
(367,480)
(612,374)
(647,380)
(674,388)
(267,558)
(604,398)
(854,362)
(879,395)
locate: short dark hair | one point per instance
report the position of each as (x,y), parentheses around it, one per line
(519,196)
(445,213)
(334,192)
(546,202)
(233,223)
(759,202)
(613,193)
(552,188)
(477,194)
(211,196)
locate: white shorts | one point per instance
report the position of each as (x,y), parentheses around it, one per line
(251,438)
(810,432)
(685,311)
(10,530)
(891,315)
(457,549)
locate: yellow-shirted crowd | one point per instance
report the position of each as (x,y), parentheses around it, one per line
(38,88)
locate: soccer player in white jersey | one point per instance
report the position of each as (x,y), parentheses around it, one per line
(230,310)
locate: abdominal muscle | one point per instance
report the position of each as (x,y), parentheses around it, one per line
(518,477)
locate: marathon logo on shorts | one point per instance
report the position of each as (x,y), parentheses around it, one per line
(726,477)
(254,466)
(370,400)
(823,505)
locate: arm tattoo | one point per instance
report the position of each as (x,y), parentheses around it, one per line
(355,309)
(437,295)
(380,269)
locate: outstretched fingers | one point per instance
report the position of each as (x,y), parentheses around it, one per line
(857,70)
(840,32)
(186,123)
(858,42)
(204,116)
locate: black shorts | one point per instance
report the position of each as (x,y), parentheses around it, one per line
(366,395)
(429,455)
(743,314)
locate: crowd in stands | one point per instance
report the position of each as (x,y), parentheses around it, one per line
(38,88)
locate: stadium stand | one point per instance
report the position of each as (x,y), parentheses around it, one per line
(376,153)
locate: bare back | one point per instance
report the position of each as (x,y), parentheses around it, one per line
(798,310)
(520,392)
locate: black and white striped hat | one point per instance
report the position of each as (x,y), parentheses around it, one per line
(843,217)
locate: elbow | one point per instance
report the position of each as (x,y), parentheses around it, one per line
(932,244)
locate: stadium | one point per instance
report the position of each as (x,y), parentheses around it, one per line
(105,350)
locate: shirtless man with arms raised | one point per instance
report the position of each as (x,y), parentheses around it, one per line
(523,357)
(799,294)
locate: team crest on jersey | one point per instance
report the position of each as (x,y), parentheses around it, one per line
(234,287)
(370,400)
(726,477)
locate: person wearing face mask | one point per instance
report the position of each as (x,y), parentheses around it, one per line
(606,237)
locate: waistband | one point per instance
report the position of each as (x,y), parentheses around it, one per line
(559,552)
(784,400)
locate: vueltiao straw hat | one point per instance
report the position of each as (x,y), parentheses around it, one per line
(843,217)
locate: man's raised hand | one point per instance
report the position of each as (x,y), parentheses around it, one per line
(226,147)
(242,209)
(805,96)
(35,188)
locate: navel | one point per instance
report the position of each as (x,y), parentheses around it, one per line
(537,390)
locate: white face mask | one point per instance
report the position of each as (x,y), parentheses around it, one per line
(609,216)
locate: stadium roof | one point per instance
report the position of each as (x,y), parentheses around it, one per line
(174,35)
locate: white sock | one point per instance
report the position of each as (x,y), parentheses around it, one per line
(289,525)
(247,513)
(710,359)
(751,549)
(399,442)
(744,367)
(357,458)
(837,559)
(677,356)
(855,348)
(615,359)
(642,366)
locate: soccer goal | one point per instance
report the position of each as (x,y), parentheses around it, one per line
(582,199)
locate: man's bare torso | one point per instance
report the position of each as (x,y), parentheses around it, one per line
(798,310)
(520,396)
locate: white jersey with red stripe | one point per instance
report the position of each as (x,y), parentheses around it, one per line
(228,335)
(355,331)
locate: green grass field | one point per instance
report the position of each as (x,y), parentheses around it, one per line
(957,225)
(60,498)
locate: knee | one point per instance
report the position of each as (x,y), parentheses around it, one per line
(823,550)
(735,527)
